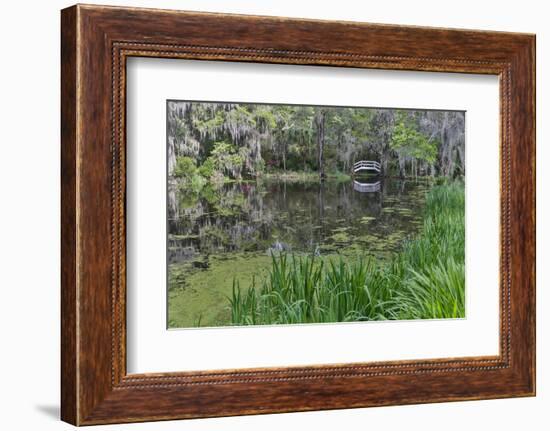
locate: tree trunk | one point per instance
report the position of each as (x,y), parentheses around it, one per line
(320,123)
(401,161)
(384,158)
(171,155)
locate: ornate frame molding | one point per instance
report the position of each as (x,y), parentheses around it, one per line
(96,41)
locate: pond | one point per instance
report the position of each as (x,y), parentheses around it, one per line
(216,235)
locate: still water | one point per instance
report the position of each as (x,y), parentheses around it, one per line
(370,216)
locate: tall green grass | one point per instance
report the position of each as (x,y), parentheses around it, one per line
(424,281)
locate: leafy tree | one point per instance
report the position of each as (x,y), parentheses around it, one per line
(208,168)
(240,140)
(410,145)
(185,167)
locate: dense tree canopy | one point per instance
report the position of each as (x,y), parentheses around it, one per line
(229,140)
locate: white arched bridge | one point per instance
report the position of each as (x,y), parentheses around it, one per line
(366,165)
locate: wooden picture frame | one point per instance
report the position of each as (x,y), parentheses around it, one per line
(95,43)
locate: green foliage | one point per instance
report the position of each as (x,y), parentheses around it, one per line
(311,290)
(432,266)
(227,160)
(185,167)
(197,183)
(208,121)
(433,292)
(265,117)
(191,177)
(425,280)
(222,150)
(409,142)
(207,168)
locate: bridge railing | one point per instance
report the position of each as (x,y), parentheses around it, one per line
(367,165)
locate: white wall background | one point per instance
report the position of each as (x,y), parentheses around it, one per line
(29,220)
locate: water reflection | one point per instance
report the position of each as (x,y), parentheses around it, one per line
(302,217)
(367,187)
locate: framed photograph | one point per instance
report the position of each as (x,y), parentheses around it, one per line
(265,214)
